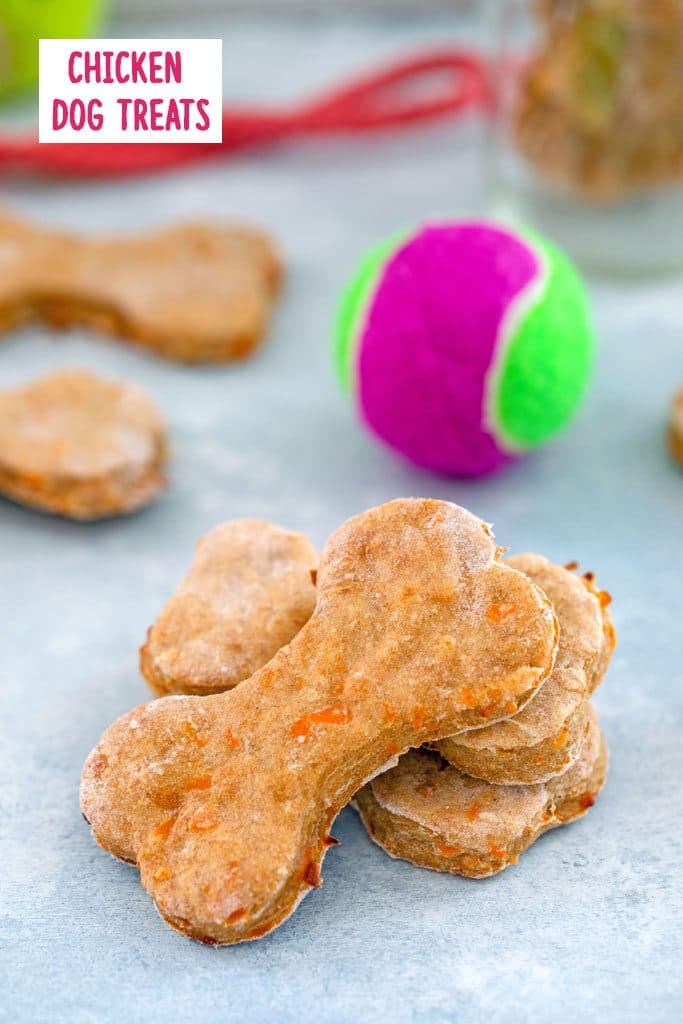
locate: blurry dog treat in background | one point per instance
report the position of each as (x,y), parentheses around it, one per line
(676,428)
(600,106)
(195,293)
(81,446)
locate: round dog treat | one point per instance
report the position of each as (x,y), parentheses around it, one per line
(249,591)
(545,738)
(434,816)
(465,344)
(676,428)
(225,802)
(81,446)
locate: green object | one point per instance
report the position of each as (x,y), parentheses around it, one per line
(24,22)
(547,361)
(464,344)
(354,303)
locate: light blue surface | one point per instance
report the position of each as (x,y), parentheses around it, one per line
(587,926)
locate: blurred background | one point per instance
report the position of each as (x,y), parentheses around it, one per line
(285,6)
(584,141)
(583,133)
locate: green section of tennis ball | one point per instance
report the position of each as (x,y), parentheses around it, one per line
(540,385)
(24,22)
(353,305)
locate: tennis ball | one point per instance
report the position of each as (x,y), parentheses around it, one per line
(465,344)
(24,22)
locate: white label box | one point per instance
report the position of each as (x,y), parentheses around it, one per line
(130,90)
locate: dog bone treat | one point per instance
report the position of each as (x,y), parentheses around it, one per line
(195,292)
(81,446)
(194,645)
(676,428)
(249,591)
(223,625)
(546,736)
(434,816)
(225,802)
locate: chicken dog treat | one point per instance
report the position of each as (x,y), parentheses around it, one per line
(545,738)
(225,802)
(432,815)
(676,428)
(249,591)
(194,292)
(81,446)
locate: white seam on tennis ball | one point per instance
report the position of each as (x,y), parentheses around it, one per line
(508,327)
(401,237)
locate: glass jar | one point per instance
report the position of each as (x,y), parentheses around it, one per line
(588,144)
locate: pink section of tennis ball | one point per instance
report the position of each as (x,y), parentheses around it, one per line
(428,340)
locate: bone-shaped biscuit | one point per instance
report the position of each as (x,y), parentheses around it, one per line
(225,802)
(429,813)
(193,292)
(545,738)
(249,591)
(202,633)
(81,446)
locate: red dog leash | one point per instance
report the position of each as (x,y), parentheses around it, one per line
(437,84)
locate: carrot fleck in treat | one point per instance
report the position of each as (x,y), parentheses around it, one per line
(500,612)
(233,741)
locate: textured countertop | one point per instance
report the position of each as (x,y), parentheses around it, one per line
(587,926)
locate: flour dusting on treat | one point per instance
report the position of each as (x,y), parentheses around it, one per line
(429,813)
(191,292)
(225,802)
(249,591)
(81,446)
(546,737)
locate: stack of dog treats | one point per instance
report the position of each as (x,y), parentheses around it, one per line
(445,689)
(474,802)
